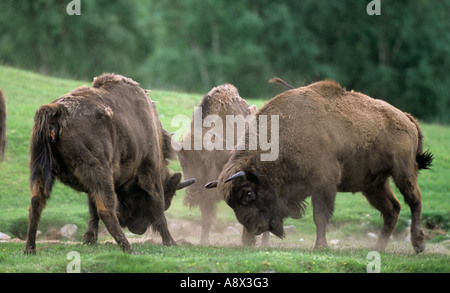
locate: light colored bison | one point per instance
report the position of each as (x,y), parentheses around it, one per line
(204,164)
(330,140)
(105,140)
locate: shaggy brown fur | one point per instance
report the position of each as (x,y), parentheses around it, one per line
(330,140)
(107,141)
(2,125)
(205,165)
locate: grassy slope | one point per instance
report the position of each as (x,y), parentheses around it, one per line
(26,91)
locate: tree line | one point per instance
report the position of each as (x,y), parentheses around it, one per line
(400,56)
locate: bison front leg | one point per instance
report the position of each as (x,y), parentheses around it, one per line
(160,225)
(208,209)
(265,239)
(247,238)
(323,206)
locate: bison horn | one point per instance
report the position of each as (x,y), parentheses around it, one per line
(236,175)
(185,183)
(211,184)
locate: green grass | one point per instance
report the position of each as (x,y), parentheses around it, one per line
(53,258)
(352,220)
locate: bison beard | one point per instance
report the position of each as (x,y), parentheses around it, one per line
(331,140)
(107,141)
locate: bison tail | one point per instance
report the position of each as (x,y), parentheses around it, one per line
(424,159)
(2,125)
(280,81)
(42,162)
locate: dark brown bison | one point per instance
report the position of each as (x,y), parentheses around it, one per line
(107,141)
(2,125)
(205,164)
(330,140)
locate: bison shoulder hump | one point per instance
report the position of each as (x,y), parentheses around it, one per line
(327,88)
(107,79)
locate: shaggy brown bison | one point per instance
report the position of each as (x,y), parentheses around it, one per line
(107,141)
(205,164)
(330,140)
(2,125)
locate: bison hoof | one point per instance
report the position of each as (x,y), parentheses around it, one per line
(132,251)
(320,246)
(89,238)
(129,250)
(29,251)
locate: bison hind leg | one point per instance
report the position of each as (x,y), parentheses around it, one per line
(90,237)
(411,192)
(323,198)
(383,199)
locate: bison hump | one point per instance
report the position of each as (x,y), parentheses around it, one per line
(107,79)
(328,88)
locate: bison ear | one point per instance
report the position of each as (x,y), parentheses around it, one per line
(211,184)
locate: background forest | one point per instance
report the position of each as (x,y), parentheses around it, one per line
(400,56)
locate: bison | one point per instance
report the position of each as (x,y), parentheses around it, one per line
(331,140)
(107,141)
(2,125)
(205,164)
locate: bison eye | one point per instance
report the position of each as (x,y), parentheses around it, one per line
(249,197)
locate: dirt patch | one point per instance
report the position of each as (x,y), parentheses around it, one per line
(187,232)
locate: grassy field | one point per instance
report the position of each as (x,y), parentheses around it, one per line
(351,228)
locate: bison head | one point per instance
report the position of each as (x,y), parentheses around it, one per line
(137,209)
(252,199)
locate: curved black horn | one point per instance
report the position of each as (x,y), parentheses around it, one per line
(236,175)
(185,183)
(211,184)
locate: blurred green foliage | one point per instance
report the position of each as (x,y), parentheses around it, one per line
(400,56)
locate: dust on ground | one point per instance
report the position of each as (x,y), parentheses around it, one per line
(187,232)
